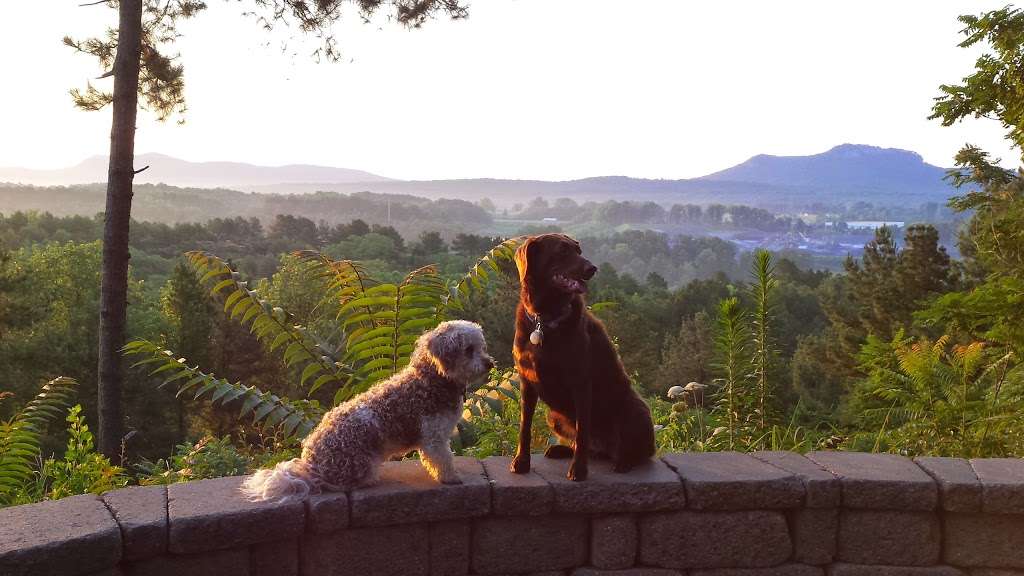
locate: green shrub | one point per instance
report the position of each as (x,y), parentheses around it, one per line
(210,457)
(82,470)
(490,425)
(20,439)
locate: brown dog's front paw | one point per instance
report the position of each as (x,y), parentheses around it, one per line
(453,479)
(520,464)
(577,472)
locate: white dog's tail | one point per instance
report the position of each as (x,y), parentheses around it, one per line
(289,480)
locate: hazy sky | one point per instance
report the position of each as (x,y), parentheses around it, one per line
(548,89)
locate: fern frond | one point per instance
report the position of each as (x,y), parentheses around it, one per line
(20,436)
(272,326)
(346,279)
(292,418)
(384,321)
(480,274)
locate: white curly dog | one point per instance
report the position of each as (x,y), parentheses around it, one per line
(416,409)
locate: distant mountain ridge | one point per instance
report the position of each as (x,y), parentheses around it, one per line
(171,170)
(844,174)
(852,166)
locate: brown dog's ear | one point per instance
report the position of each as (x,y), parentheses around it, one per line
(523,258)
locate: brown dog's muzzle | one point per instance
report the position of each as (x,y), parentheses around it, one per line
(589,270)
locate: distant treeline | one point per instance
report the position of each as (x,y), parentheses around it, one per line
(412,215)
(246,241)
(170,204)
(256,247)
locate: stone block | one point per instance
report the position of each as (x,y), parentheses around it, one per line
(651,486)
(734,481)
(815,532)
(233,562)
(889,538)
(628,572)
(989,540)
(780,570)
(449,548)
(72,536)
(327,512)
(613,542)
(213,514)
(517,494)
(275,558)
(407,494)
(687,539)
(402,550)
(1002,484)
(959,488)
(821,487)
(518,544)
(141,513)
(880,481)
(862,570)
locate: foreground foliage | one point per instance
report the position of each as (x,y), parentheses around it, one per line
(20,436)
(81,470)
(935,397)
(370,330)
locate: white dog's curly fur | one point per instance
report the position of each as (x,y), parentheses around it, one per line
(416,409)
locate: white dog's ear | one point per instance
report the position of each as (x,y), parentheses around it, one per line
(445,345)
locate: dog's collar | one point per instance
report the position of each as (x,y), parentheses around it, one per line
(537,336)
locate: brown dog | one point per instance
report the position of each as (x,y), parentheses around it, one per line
(565,358)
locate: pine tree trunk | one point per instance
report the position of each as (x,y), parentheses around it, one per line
(114,274)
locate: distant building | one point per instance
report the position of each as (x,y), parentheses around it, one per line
(872,224)
(550,219)
(865,224)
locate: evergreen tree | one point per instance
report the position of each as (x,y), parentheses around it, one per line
(924,267)
(189,312)
(431,243)
(8,281)
(888,285)
(656,281)
(874,284)
(135,54)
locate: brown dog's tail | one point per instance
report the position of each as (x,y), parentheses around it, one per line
(290,480)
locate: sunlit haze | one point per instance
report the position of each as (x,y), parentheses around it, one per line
(523,89)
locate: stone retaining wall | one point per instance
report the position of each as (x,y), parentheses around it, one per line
(713,514)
